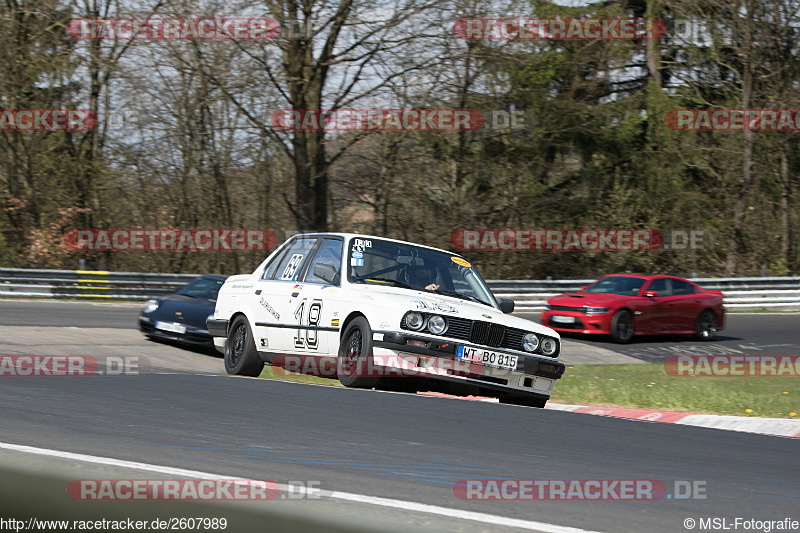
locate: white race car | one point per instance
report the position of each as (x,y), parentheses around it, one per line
(376,312)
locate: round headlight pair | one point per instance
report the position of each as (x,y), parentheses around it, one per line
(416,321)
(530,342)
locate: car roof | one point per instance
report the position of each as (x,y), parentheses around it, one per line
(347,236)
(214,276)
(647,276)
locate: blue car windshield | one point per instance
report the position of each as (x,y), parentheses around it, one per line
(380,262)
(206,288)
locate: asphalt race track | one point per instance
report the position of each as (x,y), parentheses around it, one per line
(357,444)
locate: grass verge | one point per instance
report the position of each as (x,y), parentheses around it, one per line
(649,387)
(276,372)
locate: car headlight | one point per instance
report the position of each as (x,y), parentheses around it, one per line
(437,325)
(530,342)
(415,321)
(595,310)
(549,346)
(150,306)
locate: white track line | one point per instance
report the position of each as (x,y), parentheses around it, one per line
(359,498)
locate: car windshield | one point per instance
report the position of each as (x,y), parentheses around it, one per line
(625,285)
(207,288)
(380,262)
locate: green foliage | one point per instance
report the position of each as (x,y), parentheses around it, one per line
(593,151)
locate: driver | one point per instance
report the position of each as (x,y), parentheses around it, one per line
(422,276)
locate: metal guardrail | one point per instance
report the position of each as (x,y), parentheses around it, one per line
(776,293)
(88,284)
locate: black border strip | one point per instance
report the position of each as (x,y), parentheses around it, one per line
(295,326)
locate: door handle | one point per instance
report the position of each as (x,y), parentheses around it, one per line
(258,291)
(295,294)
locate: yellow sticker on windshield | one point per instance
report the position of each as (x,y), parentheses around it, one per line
(462,262)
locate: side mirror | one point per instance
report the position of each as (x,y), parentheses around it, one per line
(327,273)
(651,294)
(584,287)
(506,305)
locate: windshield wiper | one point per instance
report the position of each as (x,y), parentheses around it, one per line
(461,296)
(396,282)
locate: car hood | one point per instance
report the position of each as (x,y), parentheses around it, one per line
(582,298)
(398,301)
(193,311)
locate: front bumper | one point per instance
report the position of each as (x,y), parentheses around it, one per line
(193,336)
(217,327)
(581,322)
(535,375)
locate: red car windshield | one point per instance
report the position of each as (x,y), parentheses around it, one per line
(623,285)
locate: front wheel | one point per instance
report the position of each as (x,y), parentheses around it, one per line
(354,365)
(706,326)
(622,326)
(241,357)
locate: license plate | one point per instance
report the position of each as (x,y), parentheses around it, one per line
(171,326)
(479,356)
(563,319)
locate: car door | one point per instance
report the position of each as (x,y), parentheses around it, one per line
(271,307)
(687,304)
(658,310)
(315,301)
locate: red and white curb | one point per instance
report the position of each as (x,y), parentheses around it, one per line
(782,427)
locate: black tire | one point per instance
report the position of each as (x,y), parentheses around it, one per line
(241,357)
(528,401)
(705,328)
(622,326)
(354,364)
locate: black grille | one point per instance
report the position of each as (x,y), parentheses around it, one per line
(487,333)
(458,328)
(567,308)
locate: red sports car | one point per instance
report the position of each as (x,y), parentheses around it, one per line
(624,305)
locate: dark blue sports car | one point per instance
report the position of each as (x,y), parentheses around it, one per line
(182,316)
